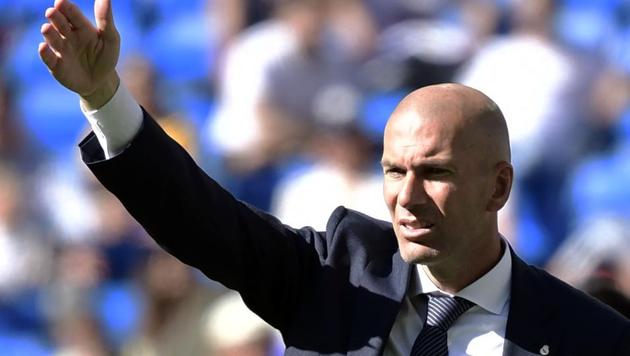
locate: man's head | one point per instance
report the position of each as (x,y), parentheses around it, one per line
(306,18)
(446,160)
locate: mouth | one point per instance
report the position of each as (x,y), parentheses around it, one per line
(414,229)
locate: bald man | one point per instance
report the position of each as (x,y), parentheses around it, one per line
(438,280)
(447,169)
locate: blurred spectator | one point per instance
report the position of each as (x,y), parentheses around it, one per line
(231,329)
(123,242)
(597,186)
(14,145)
(173,311)
(609,98)
(63,193)
(139,75)
(417,46)
(354,30)
(599,196)
(25,254)
(93,279)
(482,19)
(11,138)
(79,334)
(343,173)
(244,82)
(598,243)
(79,270)
(143,82)
(389,12)
(603,288)
(277,81)
(534,81)
(234,16)
(25,264)
(530,77)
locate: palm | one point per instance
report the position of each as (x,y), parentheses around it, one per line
(85,64)
(85,55)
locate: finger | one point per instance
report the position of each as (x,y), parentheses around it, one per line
(53,38)
(73,14)
(104,17)
(48,56)
(59,21)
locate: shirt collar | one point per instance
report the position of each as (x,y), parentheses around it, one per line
(490,292)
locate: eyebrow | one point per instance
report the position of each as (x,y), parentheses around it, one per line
(429,162)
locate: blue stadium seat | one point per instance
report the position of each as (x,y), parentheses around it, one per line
(586,24)
(534,244)
(197,107)
(52,116)
(375,112)
(24,344)
(119,308)
(600,186)
(23,66)
(167,9)
(182,49)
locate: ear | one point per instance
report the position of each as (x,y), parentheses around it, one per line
(504,175)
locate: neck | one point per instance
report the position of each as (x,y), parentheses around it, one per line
(455,276)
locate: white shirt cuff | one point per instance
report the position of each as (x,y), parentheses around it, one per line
(116,123)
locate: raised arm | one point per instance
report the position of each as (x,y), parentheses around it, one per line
(80,56)
(162,187)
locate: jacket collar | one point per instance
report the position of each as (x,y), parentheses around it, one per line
(381,289)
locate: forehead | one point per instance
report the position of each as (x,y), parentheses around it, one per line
(413,135)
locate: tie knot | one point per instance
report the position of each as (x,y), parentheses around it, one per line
(444,310)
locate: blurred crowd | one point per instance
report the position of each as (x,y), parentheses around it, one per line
(284,103)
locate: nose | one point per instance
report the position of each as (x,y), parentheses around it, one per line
(412,192)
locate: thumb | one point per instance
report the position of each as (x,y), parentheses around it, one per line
(104,17)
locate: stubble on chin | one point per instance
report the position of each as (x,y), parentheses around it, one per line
(417,254)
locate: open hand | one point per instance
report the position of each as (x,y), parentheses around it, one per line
(80,56)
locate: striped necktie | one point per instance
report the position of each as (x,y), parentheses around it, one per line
(442,312)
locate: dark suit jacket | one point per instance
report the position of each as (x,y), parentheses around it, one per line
(333,292)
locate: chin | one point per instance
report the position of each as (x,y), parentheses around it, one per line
(418,254)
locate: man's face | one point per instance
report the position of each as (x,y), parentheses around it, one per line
(436,187)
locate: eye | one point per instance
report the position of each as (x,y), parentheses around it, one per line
(437,172)
(394,172)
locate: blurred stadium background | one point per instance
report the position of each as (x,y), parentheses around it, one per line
(284,101)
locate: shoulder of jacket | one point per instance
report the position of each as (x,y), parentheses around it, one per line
(357,222)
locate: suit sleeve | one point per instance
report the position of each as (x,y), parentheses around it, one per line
(624,341)
(201,224)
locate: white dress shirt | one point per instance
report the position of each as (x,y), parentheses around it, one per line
(116,123)
(479,331)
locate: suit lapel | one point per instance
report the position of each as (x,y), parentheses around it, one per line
(529,319)
(382,288)
(379,295)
